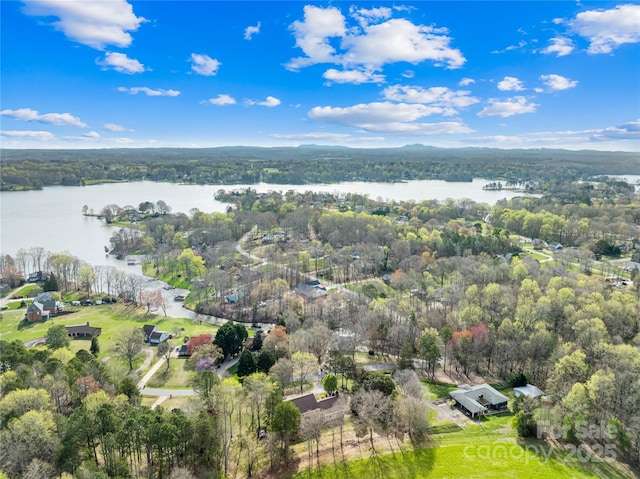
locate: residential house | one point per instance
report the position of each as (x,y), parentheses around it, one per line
(158,337)
(478,400)
(539,244)
(553,246)
(196,341)
(36,312)
(42,307)
(631,266)
(37,277)
(83,331)
(311,289)
(148,330)
(308,403)
(529,390)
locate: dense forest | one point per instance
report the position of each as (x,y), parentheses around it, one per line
(34,169)
(532,290)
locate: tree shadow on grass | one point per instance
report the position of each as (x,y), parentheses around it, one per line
(24,324)
(403,464)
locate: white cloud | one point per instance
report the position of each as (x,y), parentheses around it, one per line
(466,82)
(613,137)
(27,114)
(509,107)
(220,100)
(557,82)
(270,102)
(114,127)
(443,97)
(34,135)
(366,16)
(148,91)
(388,117)
(92,134)
(120,63)
(353,76)
(92,23)
(204,64)
(626,131)
(399,40)
(408,74)
(608,29)
(510,84)
(521,44)
(324,136)
(561,46)
(312,35)
(250,31)
(369,45)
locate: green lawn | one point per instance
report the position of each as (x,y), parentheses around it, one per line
(177,377)
(111,318)
(438,390)
(484,449)
(484,460)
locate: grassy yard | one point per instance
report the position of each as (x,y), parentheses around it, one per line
(177,377)
(111,318)
(484,449)
(438,390)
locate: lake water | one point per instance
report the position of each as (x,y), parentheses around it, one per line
(52,218)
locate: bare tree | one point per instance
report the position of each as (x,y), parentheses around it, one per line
(411,416)
(282,371)
(311,429)
(303,365)
(372,413)
(38,257)
(129,344)
(318,339)
(164,351)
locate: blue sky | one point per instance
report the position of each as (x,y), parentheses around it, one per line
(552,74)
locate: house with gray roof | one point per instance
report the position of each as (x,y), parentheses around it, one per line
(528,390)
(42,307)
(311,289)
(478,400)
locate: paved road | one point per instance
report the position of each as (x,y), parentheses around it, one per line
(163,393)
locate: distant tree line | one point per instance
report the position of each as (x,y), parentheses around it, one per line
(33,169)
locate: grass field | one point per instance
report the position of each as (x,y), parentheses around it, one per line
(111,318)
(486,449)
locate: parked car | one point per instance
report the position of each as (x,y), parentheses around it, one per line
(98,302)
(75,303)
(88,302)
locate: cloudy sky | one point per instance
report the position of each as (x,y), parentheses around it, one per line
(87,74)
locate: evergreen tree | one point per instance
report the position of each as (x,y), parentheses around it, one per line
(95,346)
(405,360)
(265,360)
(246,364)
(50,284)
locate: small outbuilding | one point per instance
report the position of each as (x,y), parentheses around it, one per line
(529,390)
(83,331)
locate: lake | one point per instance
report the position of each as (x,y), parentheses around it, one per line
(52,218)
